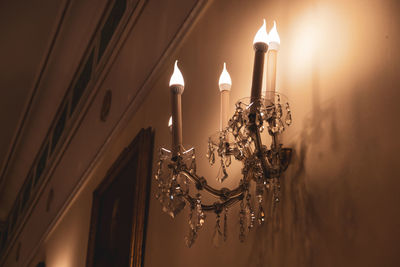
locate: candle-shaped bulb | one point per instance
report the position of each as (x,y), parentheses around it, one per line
(170,122)
(274,40)
(176,78)
(261,35)
(225,81)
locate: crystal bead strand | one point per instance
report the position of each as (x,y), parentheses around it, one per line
(225,173)
(190,238)
(251,217)
(276,200)
(288,119)
(201,217)
(242,216)
(157,178)
(278,106)
(210,153)
(259,193)
(279,112)
(277,190)
(269,199)
(193,162)
(226,224)
(217,238)
(196,221)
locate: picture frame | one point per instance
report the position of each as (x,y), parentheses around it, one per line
(120,207)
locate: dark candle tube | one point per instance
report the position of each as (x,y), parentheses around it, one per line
(176,110)
(260,50)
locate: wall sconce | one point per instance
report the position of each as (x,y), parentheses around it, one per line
(239,138)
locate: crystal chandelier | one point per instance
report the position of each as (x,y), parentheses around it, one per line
(240,138)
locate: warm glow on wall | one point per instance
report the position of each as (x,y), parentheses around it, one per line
(319,35)
(61,258)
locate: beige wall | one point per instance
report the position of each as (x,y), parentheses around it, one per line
(339,66)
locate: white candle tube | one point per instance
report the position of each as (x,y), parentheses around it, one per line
(271,75)
(272,56)
(225,84)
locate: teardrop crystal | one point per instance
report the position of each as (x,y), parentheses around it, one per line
(288,119)
(218,238)
(279,110)
(212,160)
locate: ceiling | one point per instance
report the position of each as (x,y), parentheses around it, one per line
(26,28)
(35,72)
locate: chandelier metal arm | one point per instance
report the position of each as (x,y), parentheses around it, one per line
(216,207)
(223,194)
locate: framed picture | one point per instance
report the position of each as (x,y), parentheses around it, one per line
(120,206)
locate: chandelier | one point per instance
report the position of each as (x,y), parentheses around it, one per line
(240,138)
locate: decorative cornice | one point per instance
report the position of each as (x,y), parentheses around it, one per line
(115,18)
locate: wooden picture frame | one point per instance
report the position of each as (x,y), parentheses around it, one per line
(120,207)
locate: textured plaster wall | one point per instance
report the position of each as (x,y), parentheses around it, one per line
(339,66)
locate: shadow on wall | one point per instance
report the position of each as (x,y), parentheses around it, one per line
(339,203)
(311,226)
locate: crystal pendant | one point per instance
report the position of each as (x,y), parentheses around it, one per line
(224,172)
(275,124)
(228,161)
(210,153)
(183,184)
(212,158)
(177,204)
(197,216)
(191,237)
(288,119)
(218,238)
(196,221)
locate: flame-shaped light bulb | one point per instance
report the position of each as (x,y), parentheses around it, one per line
(225,81)
(170,122)
(261,35)
(274,40)
(177,78)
